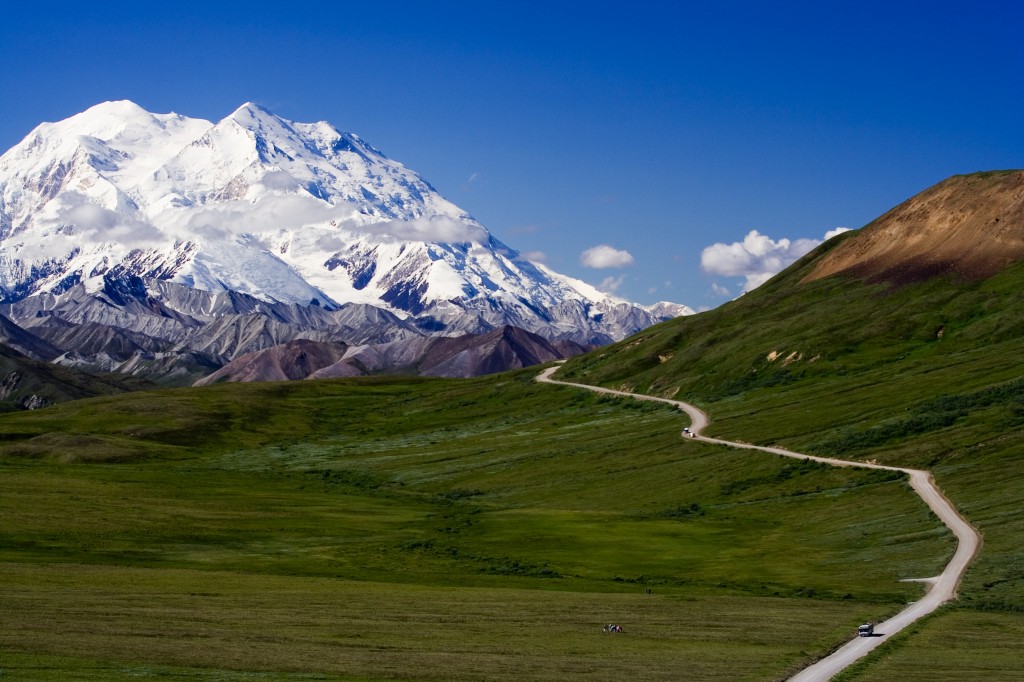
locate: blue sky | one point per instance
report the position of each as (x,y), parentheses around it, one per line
(656,129)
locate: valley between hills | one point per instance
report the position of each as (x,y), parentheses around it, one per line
(397,527)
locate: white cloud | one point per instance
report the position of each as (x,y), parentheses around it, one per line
(289,212)
(440,229)
(274,212)
(472,181)
(111,226)
(536,256)
(604,256)
(719,290)
(757,258)
(213,232)
(433,229)
(279,180)
(610,285)
(331,242)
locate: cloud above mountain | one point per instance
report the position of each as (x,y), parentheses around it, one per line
(604,256)
(290,212)
(269,213)
(610,285)
(758,257)
(436,228)
(105,225)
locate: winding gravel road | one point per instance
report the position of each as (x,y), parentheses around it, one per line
(942,587)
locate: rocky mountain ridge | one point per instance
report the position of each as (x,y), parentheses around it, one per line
(462,356)
(182,230)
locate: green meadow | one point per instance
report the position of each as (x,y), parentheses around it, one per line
(927,376)
(414,529)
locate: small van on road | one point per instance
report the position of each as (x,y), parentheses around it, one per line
(866,630)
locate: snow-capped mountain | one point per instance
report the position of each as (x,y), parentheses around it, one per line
(286,213)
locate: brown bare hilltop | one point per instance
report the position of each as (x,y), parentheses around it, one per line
(968,226)
(469,355)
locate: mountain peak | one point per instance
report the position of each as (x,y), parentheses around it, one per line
(103,121)
(286,212)
(120,107)
(252,110)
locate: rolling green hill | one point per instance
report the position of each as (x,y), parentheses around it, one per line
(429,529)
(927,374)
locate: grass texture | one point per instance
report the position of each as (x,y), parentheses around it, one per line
(403,528)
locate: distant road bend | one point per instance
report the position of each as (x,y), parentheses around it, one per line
(942,587)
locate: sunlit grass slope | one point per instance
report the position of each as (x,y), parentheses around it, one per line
(928,375)
(429,529)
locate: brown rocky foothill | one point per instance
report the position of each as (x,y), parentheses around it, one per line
(468,355)
(969,227)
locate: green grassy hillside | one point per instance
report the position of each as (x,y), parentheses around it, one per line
(927,375)
(429,529)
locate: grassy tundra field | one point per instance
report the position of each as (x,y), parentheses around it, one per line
(398,528)
(928,376)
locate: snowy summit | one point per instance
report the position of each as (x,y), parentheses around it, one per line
(285,212)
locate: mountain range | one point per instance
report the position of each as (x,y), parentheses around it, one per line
(166,245)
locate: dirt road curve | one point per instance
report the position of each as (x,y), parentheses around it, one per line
(943,586)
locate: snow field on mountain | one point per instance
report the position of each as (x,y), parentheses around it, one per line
(283,211)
